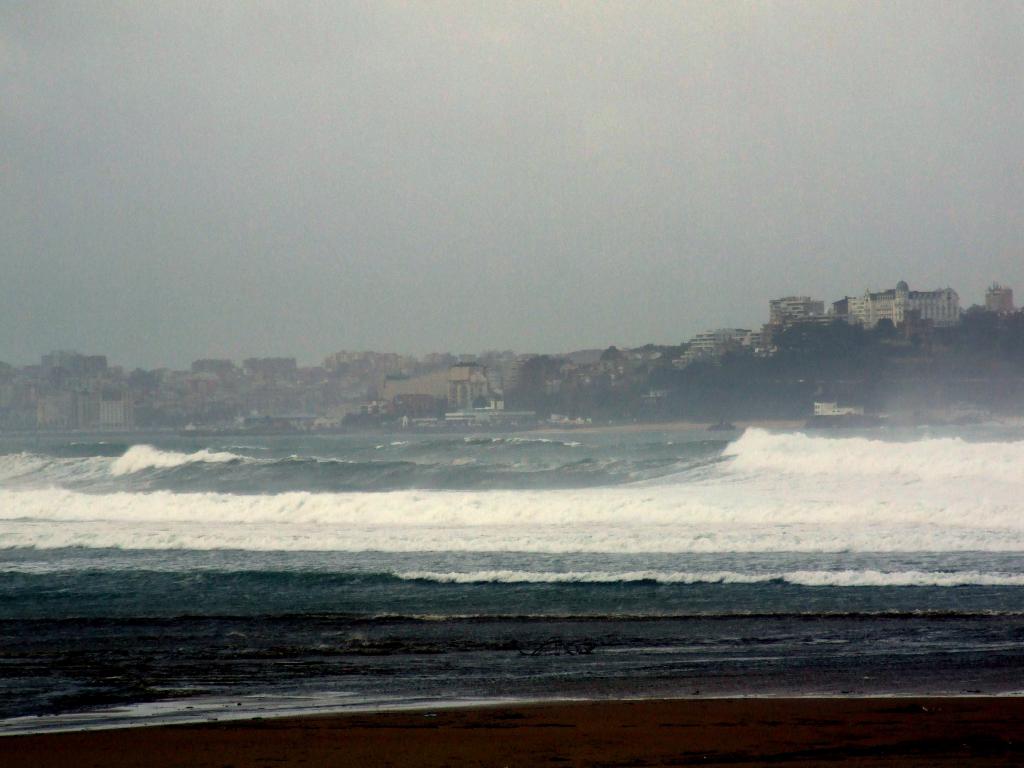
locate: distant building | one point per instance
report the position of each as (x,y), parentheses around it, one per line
(941,307)
(467,385)
(793,309)
(87,410)
(74,363)
(434,384)
(835,409)
(490,414)
(510,371)
(716,343)
(217,367)
(56,411)
(381,363)
(115,410)
(100,409)
(415,406)
(439,360)
(999,298)
(272,367)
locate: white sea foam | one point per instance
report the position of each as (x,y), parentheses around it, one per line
(848,578)
(936,459)
(774,493)
(701,518)
(142,457)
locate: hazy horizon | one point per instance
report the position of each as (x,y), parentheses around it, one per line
(185,180)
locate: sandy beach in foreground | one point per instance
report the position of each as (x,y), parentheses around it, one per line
(925,731)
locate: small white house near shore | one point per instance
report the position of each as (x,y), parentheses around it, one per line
(835,409)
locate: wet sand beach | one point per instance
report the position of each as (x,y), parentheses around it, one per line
(926,731)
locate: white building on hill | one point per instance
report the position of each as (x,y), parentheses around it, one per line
(794,309)
(941,307)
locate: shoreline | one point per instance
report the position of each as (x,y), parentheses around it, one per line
(867,731)
(146,715)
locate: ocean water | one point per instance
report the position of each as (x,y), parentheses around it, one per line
(163,577)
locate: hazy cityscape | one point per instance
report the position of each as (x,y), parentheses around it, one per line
(950,363)
(459,383)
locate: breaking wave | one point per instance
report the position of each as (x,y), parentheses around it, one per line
(934,459)
(147,468)
(701,517)
(765,492)
(142,457)
(15,465)
(16,468)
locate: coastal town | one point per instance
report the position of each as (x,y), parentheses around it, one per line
(911,354)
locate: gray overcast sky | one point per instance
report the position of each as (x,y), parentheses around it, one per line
(180,180)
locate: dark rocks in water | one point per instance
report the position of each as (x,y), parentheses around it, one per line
(722,426)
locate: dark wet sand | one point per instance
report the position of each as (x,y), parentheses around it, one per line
(738,732)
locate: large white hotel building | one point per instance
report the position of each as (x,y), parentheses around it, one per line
(941,306)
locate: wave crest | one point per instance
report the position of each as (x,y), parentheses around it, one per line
(933,459)
(142,457)
(624,519)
